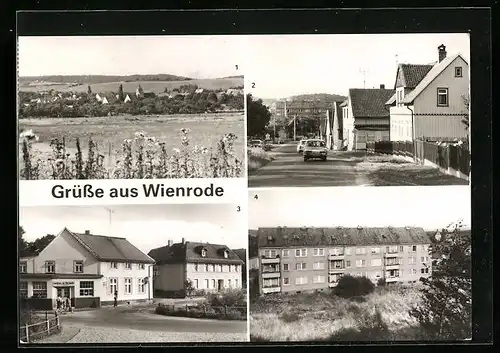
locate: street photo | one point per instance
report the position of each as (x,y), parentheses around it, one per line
(132,274)
(347,270)
(130,107)
(366,110)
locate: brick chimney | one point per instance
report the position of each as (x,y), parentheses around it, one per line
(382,86)
(169,242)
(183,240)
(442,52)
(87,232)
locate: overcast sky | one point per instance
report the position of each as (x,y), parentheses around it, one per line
(427,207)
(145,226)
(281,66)
(192,56)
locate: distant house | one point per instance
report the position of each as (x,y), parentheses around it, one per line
(127,99)
(242,254)
(209,267)
(337,126)
(199,90)
(104,100)
(429,99)
(233,91)
(366,117)
(98,97)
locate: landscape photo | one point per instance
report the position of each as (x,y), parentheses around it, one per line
(130,107)
(90,275)
(366,110)
(398,273)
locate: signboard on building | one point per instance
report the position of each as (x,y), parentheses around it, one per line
(63,283)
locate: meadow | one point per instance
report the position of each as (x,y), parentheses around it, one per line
(320,316)
(112,139)
(148,86)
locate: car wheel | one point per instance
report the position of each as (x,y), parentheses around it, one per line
(324,159)
(305,159)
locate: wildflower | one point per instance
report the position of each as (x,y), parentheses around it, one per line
(185,130)
(140,134)
(176,150)
(204,150)
(151,139)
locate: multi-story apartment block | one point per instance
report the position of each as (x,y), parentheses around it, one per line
(209,267)
(86,268)
(300,259)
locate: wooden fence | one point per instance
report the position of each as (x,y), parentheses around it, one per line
(447,156)
(30,332)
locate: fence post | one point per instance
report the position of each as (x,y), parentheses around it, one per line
(48,325)
(27,334)
(187,308)
(225,309)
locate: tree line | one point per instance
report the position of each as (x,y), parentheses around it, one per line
(27,248)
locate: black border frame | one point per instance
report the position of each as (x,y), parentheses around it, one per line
(475,21)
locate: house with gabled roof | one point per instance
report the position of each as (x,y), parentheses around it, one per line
(428,102)
(365,117)
(86,268)
(292,259)
(337,126)
(209,267)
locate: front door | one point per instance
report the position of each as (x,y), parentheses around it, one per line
(63,292)
(220,285)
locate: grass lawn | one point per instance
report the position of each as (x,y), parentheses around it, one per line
(110,132)
(257,158)
(316,316)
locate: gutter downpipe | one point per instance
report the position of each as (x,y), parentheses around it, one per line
(413,134)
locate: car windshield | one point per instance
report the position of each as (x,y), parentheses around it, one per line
(315,144)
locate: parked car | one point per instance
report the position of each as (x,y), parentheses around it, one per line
(256,143)
(315,149)
(300,146)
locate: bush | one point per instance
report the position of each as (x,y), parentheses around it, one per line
(289,317)
(140,158)
(229,298)
(349,286)
(201,311)
(381,282)
(370,328)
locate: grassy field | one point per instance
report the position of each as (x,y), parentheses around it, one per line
(318,316)
(147,86)
(110,132)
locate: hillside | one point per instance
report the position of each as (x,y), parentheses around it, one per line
(319,96)
(148,86)
(95,79)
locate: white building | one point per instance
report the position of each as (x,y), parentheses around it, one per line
(88,269)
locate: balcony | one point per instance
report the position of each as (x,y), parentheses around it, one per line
(266,260)
(269,274)
(332,284)
(271,290)
(392,266)
(391,254)
(392,279)
(335,256)
(336,269)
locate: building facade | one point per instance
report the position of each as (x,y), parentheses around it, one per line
(88,269)
(365,117)
(209,267)
(430,100)
(303,259)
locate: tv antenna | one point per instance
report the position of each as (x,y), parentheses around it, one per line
(364,72)
(110,219)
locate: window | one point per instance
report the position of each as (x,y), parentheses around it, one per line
(335,278)
(286,253)
(376,250)
(39,289)
(23,289)
(300,266)
(319,266)
(285,267)
(286,281)
(422,248)
(376,262)
(237,267)
(392,273)
(391,261)
(212,268)
(229,283)
(141,266)
(23,267)
(413,248)
(226,254)
(348,263)
(301,280)
(413,271)
(424,270)
(360,251)
(78,266)
(336,264)
(128,266)
(196,284)
(360,263)
(458,71)
(270,282)
(196,267)
(128,285)
(392,249)
(300,252)
(411,260)
(113,285)
(319,279)
(213,283)
(206,268)
(336,251)
(401,248)
(207,284)
(442,97)
(203,253)
(141,285)
(348,251)
(424,259)
(236,283)
(270,254)
(50,266)
(86,288)
(113,265)
(318,252)
(221,268)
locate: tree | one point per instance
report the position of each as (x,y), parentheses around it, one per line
(121,97)
(349,286)
(141,91)
(258,116)
(188,286)
(466,102)
(89,90)
(23,244)
(446,310)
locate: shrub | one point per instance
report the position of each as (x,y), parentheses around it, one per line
(370,328)
(289,317)
(349,286)
(229,298)
(140,158)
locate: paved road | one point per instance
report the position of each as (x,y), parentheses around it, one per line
(356,168)
(289,169)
